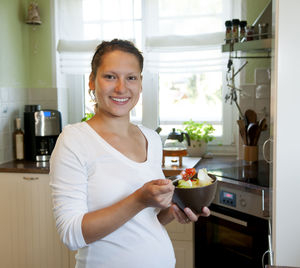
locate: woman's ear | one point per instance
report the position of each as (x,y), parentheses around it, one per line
(91,82)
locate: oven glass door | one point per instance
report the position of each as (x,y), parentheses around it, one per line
(230,239)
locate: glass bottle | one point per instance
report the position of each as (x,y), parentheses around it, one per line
(18,140)
(235,29)
(228,33)
(243,25)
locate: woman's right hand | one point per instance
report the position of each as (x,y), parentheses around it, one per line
(156,193)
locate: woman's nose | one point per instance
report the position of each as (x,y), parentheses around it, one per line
(120,86)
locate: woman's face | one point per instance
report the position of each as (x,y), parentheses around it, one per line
(118,83)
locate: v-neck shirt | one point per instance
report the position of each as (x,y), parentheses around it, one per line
(88,174)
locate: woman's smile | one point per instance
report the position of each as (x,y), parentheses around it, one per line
(120,101)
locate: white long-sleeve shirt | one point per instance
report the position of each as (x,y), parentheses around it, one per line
(88,174)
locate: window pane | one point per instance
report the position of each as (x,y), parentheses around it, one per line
(173,8)
(136,112)
(190,96)
(187,26)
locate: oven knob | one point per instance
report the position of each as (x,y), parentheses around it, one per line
(243,202)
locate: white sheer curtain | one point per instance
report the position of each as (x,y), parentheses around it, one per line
(83,24)
(158,27)
(185,36)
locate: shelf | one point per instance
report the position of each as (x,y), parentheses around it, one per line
(263,45)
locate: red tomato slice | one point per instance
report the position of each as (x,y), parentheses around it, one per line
(188,173)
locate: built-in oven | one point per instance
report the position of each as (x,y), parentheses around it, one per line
(236,234)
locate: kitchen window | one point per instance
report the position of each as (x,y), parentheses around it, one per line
(183,76)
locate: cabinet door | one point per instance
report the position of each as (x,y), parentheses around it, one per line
(182,237)
(28,234)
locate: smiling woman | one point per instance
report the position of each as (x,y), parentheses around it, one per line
(109,193)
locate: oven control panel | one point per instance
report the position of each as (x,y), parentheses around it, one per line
(240,200)
(227,198)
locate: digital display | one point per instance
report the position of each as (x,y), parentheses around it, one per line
(47,113)
(228,195)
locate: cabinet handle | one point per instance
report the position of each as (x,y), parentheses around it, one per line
(30,178)
(269,161)
(263,200)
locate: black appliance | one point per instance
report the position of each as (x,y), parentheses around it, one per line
(42,128)
(237,234)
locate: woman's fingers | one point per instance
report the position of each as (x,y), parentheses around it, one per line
(179,215)
(157,193)
(187,215)
(205,212)
(190,214)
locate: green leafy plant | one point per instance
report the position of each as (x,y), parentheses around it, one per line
(198,131)
(87,116)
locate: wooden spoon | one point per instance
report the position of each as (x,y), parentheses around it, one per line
(252,131)
(243,132)
(251,116)
(262,126)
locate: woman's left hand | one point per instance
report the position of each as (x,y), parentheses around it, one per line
(188,215)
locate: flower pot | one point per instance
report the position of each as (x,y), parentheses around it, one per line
(197,148)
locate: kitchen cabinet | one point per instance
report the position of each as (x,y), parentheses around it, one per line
(28,234)
(182,237)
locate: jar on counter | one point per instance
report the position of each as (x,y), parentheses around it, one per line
(243,25)
(228,33)
(263,30)
(235,29)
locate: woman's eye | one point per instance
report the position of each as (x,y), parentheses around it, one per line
(132,78)
(109,76)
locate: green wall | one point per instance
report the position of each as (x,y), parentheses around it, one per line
(254,8)
(25,50)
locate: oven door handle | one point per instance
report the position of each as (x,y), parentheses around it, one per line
(228,218)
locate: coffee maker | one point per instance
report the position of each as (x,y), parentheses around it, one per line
(42,128)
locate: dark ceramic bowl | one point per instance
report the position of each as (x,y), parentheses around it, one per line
(195,198)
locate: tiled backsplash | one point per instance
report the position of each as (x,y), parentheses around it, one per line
(256,97)
(12,101)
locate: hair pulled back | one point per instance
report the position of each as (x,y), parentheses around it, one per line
(109,46)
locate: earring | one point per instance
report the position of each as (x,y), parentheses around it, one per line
(92,94)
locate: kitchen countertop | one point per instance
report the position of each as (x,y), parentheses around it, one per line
(169,168)
(25,167)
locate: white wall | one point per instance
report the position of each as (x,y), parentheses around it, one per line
(286,224)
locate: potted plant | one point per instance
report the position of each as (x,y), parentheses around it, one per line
(200,134)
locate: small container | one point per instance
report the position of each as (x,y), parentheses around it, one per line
(235,29)
(263,30)
(243,25)
(18,136)
(228,33)
(250,153)
(249,33)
